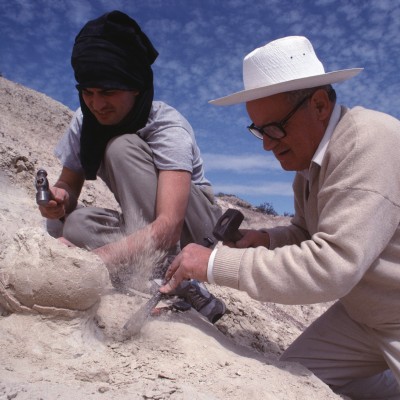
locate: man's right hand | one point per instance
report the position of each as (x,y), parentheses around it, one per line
(56,207)
(190,263)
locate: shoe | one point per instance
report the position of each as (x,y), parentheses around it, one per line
(201,300)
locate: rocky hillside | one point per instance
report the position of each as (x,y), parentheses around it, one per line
(82,356)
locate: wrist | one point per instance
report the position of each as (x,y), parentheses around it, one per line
(264,238)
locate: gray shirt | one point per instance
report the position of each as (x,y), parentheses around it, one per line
(167,132)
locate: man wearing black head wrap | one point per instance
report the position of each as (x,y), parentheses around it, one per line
(144,150)
(112,52)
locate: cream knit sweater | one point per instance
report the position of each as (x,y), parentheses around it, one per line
(344,240)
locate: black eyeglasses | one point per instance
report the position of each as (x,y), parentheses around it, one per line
(276,130)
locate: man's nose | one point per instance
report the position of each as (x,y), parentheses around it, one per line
(269,143)
(98,102)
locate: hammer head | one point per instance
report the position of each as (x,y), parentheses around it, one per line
(227,227)
(42,188)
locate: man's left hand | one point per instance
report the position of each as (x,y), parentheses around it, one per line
(190,263)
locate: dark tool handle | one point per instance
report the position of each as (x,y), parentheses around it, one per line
(227,227)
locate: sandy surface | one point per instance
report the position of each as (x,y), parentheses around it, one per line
(61,323)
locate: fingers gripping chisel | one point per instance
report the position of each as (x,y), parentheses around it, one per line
(226,229)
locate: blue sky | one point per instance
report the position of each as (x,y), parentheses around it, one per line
(202,44)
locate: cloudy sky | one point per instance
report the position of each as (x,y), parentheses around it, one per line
(202,44)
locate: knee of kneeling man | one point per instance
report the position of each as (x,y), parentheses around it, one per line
(74,227)
(118,146)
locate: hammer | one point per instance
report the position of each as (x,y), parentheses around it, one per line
(43,195)
(227,227)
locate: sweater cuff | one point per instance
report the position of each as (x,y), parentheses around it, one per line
(226,266)
(210,267)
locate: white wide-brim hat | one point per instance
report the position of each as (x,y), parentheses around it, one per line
(281,66)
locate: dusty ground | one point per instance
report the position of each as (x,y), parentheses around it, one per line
(49,349)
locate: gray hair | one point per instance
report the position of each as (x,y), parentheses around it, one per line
(295,96)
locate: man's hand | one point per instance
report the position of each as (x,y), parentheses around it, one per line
(64,195)
(250,238)
(119,253)
(56,207)
(190,263)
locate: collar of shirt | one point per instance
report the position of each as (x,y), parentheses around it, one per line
(321,150)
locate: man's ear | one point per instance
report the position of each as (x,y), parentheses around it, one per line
(321,104)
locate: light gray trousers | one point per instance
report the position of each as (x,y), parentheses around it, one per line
(352,358)
(128,170)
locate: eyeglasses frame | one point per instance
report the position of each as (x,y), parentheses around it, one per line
(258,132)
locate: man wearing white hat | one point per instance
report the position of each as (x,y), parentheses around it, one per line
(344,239)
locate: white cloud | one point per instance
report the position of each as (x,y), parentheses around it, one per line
(262,189)
(240,163)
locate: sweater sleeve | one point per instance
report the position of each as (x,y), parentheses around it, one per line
(353,220)
(297,231)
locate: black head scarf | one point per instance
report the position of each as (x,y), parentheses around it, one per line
(112,52)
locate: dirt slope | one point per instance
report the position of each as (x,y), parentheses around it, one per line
(51,352)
